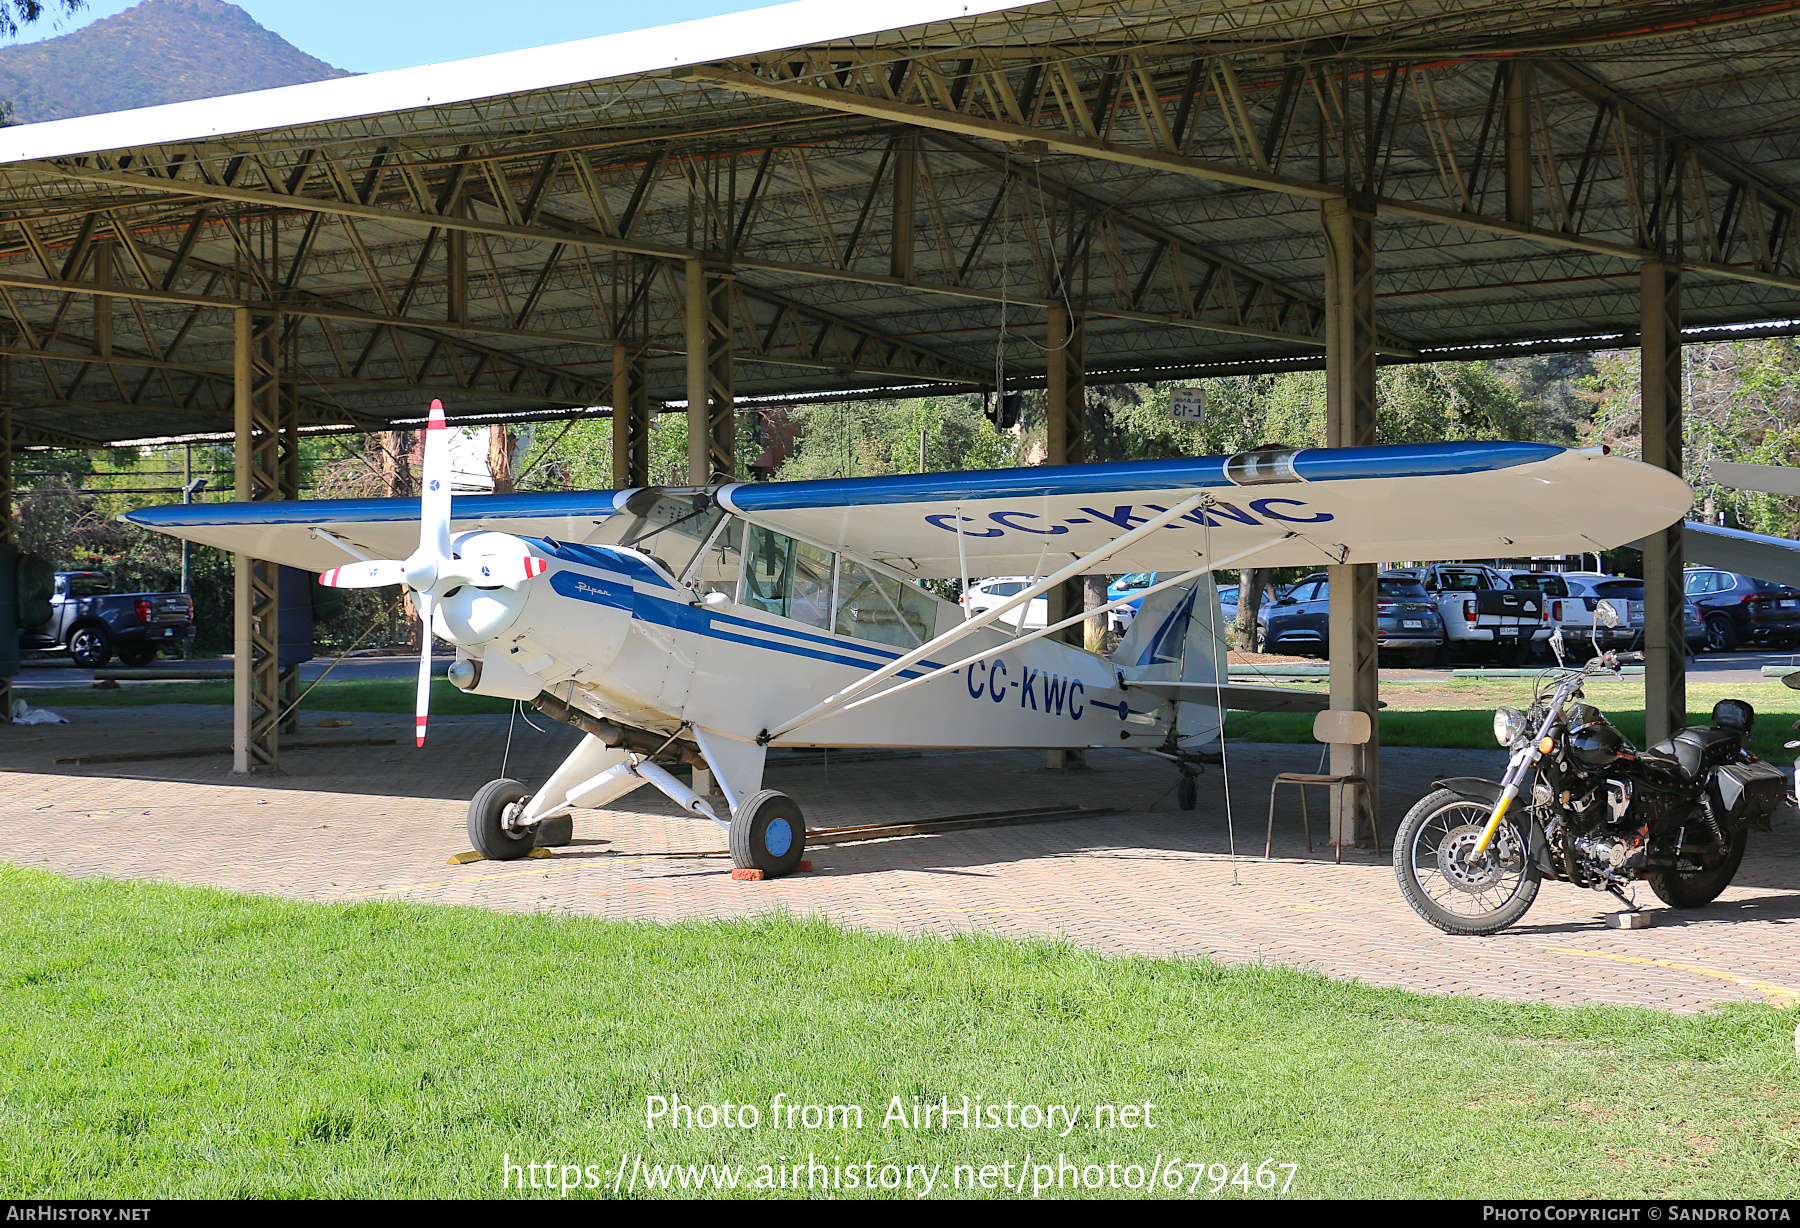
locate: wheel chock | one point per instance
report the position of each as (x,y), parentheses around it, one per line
(741,875)
(463,859)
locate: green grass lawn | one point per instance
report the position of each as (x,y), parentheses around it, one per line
(378,695)
(179,1042)
(1460,714)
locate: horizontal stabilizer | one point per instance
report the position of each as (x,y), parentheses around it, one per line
(1238,698)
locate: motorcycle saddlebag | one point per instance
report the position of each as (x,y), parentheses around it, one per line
(1744,791)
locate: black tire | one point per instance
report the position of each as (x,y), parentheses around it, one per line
(91,646)
(1721,634)
(139,656)
(1187,793)
(768,833)
(1702,885)
(486,831)
(1451,817)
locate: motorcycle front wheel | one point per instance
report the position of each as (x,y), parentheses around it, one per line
(1444,881)
(1696,881)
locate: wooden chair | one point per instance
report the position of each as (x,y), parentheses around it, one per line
(1330,726)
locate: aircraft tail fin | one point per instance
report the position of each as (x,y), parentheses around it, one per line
(1178,635)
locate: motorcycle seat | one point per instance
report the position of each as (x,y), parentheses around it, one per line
(1689,749)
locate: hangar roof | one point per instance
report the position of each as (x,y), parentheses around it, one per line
(901,207)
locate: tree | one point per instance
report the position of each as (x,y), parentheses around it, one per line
(15,15)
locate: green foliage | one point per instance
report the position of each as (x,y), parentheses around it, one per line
(842,439)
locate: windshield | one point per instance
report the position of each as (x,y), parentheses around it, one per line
(669,525)
(1553,585)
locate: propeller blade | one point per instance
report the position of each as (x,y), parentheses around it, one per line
(488,571)
(422,708)
(434,501)
(364,575)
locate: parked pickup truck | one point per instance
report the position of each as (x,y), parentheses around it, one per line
(90,622)
(1484,615)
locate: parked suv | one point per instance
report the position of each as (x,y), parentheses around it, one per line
(984,595)
(1406,620)
(1738,609)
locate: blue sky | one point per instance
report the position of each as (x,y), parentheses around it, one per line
(373,35)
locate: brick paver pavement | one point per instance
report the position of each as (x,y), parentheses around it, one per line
(378,822)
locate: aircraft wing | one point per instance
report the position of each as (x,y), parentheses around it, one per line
(1771,479)
(295,532)
(1341,505)
(1750,554)
(1239,698)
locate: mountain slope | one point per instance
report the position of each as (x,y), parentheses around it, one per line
(155,52)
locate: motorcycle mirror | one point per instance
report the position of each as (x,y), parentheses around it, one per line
(1556,643)
(1606,615)
(1791,745)
(1792,681)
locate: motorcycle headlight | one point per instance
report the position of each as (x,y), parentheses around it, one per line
(1509,726)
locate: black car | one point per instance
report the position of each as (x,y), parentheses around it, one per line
(1738,609)
(1406,619)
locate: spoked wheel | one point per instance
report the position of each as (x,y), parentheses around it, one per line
(493,804)
(1187,793)
(1697,881)
(1443,879)
(768,833)
(1721,636)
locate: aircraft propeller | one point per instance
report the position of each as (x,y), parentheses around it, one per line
(433,570)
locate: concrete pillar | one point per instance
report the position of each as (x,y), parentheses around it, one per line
(631,417)
(1665,649)
(712,421)
(257,460)
(1350,423)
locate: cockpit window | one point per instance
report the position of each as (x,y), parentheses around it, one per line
(670,525)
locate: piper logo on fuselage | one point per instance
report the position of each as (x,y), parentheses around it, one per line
(1128,516)
(1037,690)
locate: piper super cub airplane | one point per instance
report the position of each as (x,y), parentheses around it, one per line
(705,625)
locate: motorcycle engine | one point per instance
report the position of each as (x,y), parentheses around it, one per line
(1614,854)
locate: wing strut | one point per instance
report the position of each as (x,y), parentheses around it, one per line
(1091,559)
(1011,644)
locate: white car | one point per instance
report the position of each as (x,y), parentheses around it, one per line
(984,595)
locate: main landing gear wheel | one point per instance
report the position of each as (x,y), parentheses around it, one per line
(1697,881)
(1187,793)
(488,812)
(768,833)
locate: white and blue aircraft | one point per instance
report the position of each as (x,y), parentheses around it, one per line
(706,625)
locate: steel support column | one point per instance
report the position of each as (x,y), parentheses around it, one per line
(712,420)
(1065,413)
(1518,142)
(1665,647)
(1350,422)
(630,417)
(258,464)
(8,619)
(287,446)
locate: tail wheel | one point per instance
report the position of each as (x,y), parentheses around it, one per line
(1447,882)
(1697,881)
(768,833)
(493,837)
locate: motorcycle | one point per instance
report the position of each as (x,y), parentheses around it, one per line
(1580,805)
